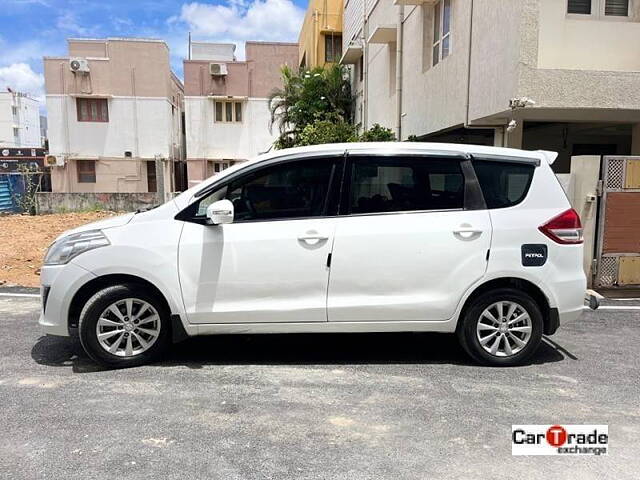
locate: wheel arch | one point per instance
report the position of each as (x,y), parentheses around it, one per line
(90,288)
(549,314)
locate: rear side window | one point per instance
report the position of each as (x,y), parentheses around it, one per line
(503,184)
(398,184)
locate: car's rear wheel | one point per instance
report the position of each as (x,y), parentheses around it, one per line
(124,326)
(501,328)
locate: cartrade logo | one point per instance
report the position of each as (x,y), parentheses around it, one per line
(559,439)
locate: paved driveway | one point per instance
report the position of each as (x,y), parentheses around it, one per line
(400,406)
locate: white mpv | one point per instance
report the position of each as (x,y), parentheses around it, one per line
(391,237)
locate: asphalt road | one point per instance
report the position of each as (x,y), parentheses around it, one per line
(400,406)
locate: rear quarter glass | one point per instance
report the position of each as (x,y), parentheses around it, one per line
(503,184)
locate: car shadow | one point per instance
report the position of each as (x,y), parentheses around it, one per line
(294,349)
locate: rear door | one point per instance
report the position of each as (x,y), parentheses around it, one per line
(413,235)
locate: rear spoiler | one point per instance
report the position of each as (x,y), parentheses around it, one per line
(550,157)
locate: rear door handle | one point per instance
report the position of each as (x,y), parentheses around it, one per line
(466,232)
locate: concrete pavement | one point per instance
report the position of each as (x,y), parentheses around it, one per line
(400,406)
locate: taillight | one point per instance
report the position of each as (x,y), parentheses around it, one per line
(564,228)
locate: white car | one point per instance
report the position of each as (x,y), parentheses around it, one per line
(389,237)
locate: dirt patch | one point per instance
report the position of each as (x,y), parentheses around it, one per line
(24,240)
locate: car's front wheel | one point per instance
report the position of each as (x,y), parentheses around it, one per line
(124,326)
(501,328)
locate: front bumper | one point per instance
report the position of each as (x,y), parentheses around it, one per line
(59,285)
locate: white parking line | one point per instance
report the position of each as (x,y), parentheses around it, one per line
(617,307)
(27,295)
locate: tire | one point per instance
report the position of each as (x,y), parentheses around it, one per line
(140,322)
(517,344)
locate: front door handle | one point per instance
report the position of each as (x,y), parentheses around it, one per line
(312,237)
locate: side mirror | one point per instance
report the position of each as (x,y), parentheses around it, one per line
(220,212)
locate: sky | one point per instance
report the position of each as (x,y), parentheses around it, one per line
(32,29)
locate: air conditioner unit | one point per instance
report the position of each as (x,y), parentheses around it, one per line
(79,65)
(54,161)
(218,69)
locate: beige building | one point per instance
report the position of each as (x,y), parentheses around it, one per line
(226,103)
(450,70)
(320,40)
(115,117)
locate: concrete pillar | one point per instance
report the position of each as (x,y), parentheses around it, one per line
(514,138)
(585,172)
(635,139)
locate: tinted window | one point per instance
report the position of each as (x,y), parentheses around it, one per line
(396,184)
(503,184)
(290,190)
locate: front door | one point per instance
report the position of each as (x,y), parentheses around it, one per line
(408,246)
(270,264)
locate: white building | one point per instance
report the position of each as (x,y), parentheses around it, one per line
(19,120)
(114,115)
(447,70)
(226,103)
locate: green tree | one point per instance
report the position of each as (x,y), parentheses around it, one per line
(331,129)
(317,95)
(378,133)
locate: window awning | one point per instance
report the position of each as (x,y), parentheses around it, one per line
(227,97)
(415,2)
(351,55)
(383,34)
(90,95)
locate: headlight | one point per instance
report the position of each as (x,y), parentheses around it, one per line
(73,245)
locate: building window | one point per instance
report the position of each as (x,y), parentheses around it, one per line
(616,8)
(580,7)
(92,109)
(14,110)
(152,184)
(86,171)
(332,48)
(599,8)
(361,68)
(441,31)
(228,111)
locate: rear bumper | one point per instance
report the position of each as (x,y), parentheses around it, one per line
(592,299)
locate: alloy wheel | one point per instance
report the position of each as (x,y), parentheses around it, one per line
(128,327)
(504,328)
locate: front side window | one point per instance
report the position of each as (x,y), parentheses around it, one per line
(290,190)
(599,8)
(383,184)
(92,109)
(503,184)
(441,31)
(86,171)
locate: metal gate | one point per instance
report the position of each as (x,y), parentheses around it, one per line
(618,245)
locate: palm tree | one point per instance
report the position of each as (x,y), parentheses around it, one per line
(305,97)
(282,100)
